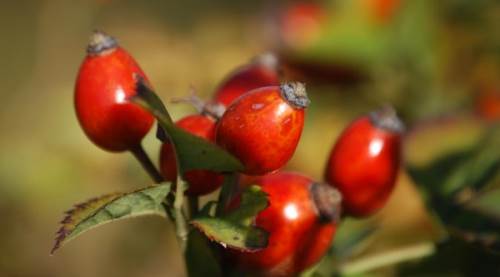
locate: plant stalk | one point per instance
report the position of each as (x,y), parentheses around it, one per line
(194,204)
(180,219)
(229,188)
(147,164)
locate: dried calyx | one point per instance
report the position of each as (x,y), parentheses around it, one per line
(387,119)
(100,43)
(295,94)
(327,201)
(212,109)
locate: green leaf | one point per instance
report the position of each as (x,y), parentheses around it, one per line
(196,153)
(351,237)
(476,171)
(200,260)
(456,188)
(453,258)
(488,203)
(232,235)
(192,152)
(108,208)
(431,177)
(253,200)
(208,208)
(234,229)
(472,168)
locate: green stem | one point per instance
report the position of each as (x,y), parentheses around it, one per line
(194,204)
(229,188)
(180,218)
(147,164)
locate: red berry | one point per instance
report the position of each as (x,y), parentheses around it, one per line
(105,82)
(383,11)
(301,24)
(364,162)
(261,72)
(201,182)
(301,220)
(488,104)
(263,127)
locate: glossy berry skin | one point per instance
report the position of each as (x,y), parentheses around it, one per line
(105,82)
(364,162)
(261,72)
(262,128)
(298,235)
(201,182)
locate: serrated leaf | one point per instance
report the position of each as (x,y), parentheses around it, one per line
(192,152)
(234,229)
(108,208)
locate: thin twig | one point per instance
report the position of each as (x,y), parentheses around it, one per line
(229,188)
(147,164)
(180,219)
(193,205)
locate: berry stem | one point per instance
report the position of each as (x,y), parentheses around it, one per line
(229,188)
(194,204)
(147,164)
(213,109)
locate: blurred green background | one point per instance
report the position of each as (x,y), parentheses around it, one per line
(430,59)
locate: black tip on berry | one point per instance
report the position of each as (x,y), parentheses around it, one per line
(295,94)
(327,202)
(267,59)
(387,119)
(100,42)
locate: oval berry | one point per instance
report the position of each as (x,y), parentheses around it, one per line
(364,162)
(261,72)
(301,221)
(263,127)
(201,182)
(301,24)
(106,80)
(383,11)
(488,105)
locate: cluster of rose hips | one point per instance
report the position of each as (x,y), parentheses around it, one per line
(260,124)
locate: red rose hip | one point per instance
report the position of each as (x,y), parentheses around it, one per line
(201,182)
(383,11)
(261,72)
(105,82)
(301,24)
(488,104)
(301,220)
(364,162)
(263,127)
